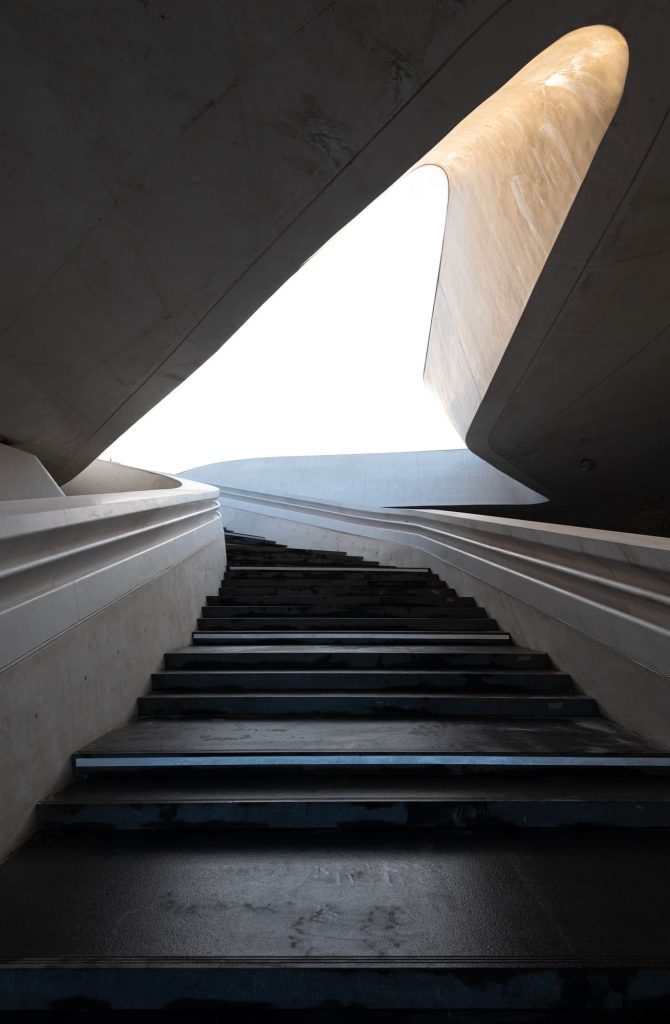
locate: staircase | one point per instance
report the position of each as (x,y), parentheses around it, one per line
(352,790)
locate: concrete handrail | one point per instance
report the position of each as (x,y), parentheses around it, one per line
(62,559)
(615,587)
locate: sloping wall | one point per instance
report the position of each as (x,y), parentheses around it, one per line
(514,167)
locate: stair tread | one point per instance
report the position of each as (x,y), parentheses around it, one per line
(226,625)
(325,648)
(372,569)
(314,636)
(501,736)
(499,900)
(400,694)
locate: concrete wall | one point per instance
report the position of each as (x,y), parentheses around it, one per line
(103,477)
(396,478)
(514,167)
(86,681)
(22,475)
(93,589)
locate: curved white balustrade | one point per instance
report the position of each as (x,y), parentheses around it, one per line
(63,559)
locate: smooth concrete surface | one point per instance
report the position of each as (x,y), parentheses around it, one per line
(514,166)
(168,172)
(87,680)
(454,477)
(22,475)
(65,558)
(103,477)
(81,579)
(596,601)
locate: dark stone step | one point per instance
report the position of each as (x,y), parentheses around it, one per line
(341,623)
(306,557)
(333,593)
(267,558)
(278,549)
(365,802)
(317,613)
(320,584)
(341,602)
(293,563)
(354,572)
(504,918)
(360,638)
(495,680)
(243,539)
(376,744)
(325,656)
(347,703)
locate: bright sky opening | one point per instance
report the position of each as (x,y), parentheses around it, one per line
(331,364)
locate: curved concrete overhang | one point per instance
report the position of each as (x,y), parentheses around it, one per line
(514,167)
(165,174)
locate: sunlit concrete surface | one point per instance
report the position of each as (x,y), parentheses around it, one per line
(514,167)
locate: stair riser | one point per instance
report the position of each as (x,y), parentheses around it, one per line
(318,613)
(338,588)
(343,603)
(302,557)
(319,572)
(393,625)
(354,659)
(289,765)
(443,682)
(343,984)
(333,639)
(355,705)
(239,560)
(357,814)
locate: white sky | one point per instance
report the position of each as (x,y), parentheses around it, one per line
(332,363)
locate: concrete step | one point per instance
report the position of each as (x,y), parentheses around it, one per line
(470,681)
(232,537)
(341,603)
(279,704)
(365,802)
(310,573)
(349,637)
(511,919)
(297,558)
(235,562)
(324,656)
(342,623)
(295,554)
(248,549)
(364,614)
(344,595)
(338,579)
(462,745)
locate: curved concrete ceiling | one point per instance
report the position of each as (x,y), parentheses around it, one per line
(164,174)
